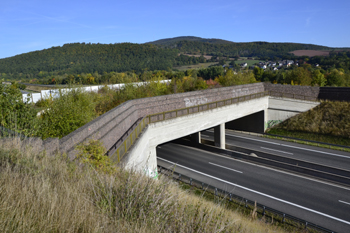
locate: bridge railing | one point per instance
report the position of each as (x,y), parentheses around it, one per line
(131,137)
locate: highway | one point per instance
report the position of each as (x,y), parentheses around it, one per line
(328,157)
(322,203)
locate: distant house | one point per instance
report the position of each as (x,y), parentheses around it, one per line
(275,68)
(317,65)
(244,65)
(263,67)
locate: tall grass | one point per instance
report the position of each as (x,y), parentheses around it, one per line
(328,122)
(40,193)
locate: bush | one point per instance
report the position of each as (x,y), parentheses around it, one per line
(67,113)
(93,153)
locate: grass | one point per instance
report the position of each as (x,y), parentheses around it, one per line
(329,122)
(249,62)
(197,66)
(41,193)
(206,65)
(312,136)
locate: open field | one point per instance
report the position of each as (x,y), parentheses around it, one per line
(248,61)
(311,53)
(197,66)
(206,65)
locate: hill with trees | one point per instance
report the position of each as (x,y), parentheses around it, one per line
(78,58)
(217,47)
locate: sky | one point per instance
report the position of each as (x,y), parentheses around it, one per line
(30,25)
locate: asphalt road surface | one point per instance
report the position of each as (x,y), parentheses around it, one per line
(328,157)
(322,203)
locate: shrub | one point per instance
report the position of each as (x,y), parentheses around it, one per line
(67,113)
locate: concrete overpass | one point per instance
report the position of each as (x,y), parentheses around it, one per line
(249,113)
(119,128)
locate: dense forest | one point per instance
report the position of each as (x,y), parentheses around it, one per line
(217,47)
(77,58)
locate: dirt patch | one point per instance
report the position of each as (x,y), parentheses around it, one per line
(310,53)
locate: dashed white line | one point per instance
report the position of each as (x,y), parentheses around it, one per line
(225,167)
(344,202)
(276,150)
(260,193)
(301,148)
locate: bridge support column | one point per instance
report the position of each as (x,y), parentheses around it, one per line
(219,136)
(196,137)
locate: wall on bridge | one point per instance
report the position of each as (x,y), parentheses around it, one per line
(322,93)
(335,93)
(143,152)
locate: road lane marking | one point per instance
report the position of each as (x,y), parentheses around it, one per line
(260,193)
(301,148)
(225,167)
(276,150)
(344,202)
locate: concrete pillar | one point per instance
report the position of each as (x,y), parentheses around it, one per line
(219,136)
(196,137)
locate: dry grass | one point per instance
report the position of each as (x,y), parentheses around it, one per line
(39,193)
(329,118)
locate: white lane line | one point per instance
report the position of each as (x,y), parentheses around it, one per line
(318,151)
(276,150)
(225,167)
(260,193)
(344,202)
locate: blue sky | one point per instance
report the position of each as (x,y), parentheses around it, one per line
(31,25)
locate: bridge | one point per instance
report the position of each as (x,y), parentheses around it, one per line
(132,130)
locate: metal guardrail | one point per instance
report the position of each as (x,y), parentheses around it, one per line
(123,148)
(264,210)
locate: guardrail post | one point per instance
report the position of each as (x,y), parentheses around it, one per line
(202,185)
(306,225)
(246,203)
(216,191)
(230,196)
(284,218)
(263,211)
(190,181)
(180,177)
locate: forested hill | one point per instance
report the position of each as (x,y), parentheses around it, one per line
(79,58)
(89,58)
(171,42)
(217,47)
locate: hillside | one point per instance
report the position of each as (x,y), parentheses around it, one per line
(77,58)
(89,58)
(329,122)
(217,47)
(171,41)
(52,194)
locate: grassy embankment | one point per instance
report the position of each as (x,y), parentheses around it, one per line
(41,193)
(329,122)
